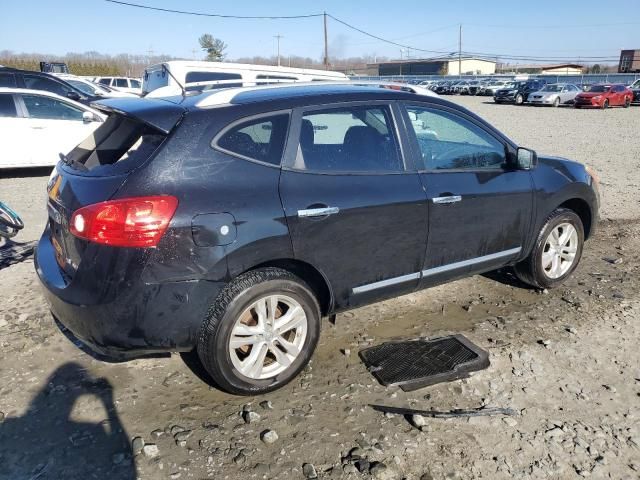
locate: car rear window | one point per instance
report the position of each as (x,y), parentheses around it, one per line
(119,145)
(259,139)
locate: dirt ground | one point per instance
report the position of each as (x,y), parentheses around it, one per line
(567,361)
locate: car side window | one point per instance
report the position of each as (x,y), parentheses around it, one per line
(122,82)
(42,107)
(7,80)
(7,106)
(135,83)
(104,81)
(449,142)
(348,139)
(35,82)
(259,139)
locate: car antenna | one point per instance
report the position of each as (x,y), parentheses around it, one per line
(165,69)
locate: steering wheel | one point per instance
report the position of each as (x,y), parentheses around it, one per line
(448,155)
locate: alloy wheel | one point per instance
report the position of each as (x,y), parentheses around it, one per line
(268,336)
(559,250)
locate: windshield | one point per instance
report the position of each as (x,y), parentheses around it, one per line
(599,88)
(552,88)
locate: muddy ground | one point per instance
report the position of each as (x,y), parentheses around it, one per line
(567,361)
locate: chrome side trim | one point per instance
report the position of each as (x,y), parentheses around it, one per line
(471,261)
(386,283)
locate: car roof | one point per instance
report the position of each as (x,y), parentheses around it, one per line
(291,91)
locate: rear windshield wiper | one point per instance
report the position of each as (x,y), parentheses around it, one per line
(72,163)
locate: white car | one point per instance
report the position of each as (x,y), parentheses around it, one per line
(36,126)
(121,84)
(91,88)
(163,79)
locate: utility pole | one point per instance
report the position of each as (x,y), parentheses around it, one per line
(326,44)
(278,37)
(460,52)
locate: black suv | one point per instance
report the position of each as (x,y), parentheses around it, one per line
(518,92)
(14,78)
(230,222)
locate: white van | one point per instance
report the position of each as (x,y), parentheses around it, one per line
(193,75)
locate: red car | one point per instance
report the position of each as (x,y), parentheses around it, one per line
(604,96)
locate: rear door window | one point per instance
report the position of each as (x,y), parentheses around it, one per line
(134,83)
(7,106)
(260,139)
(122,83)
(42,107)
(348,139)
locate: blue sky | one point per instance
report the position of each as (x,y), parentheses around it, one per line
(561,28)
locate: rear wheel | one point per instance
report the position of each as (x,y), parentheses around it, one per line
(556,102)
(556,253)
(627,102)
(260,332)
(605,104)
(519,99)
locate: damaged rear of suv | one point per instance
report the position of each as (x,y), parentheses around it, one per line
(231,222)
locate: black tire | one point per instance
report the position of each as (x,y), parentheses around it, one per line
(519,100)
(530,270)
(627,103)
(605,104)
(556,102)
(575,105)
(497,101)
(234,299)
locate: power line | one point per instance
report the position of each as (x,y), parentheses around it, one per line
(442,54)
(217,15)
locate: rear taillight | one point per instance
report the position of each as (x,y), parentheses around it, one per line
(128,222)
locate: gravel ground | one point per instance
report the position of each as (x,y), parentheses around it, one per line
(565,360)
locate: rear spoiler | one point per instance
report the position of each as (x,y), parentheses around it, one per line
(159,114)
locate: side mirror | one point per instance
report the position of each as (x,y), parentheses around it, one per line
(73,95)
(526,159)
(88,117)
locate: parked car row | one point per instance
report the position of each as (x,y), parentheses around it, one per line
(537,92)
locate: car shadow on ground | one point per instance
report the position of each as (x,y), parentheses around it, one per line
(50,441)
(13,252)
(506,276)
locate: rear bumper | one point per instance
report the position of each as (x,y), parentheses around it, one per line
(126,317)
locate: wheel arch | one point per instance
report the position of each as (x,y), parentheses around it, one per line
(310,274)
(583,210)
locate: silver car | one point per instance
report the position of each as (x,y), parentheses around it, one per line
(555,94)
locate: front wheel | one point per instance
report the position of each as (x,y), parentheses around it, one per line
(556,253)
(556,102)
(519,99)
(627,102)
(605,104)
(260,332)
